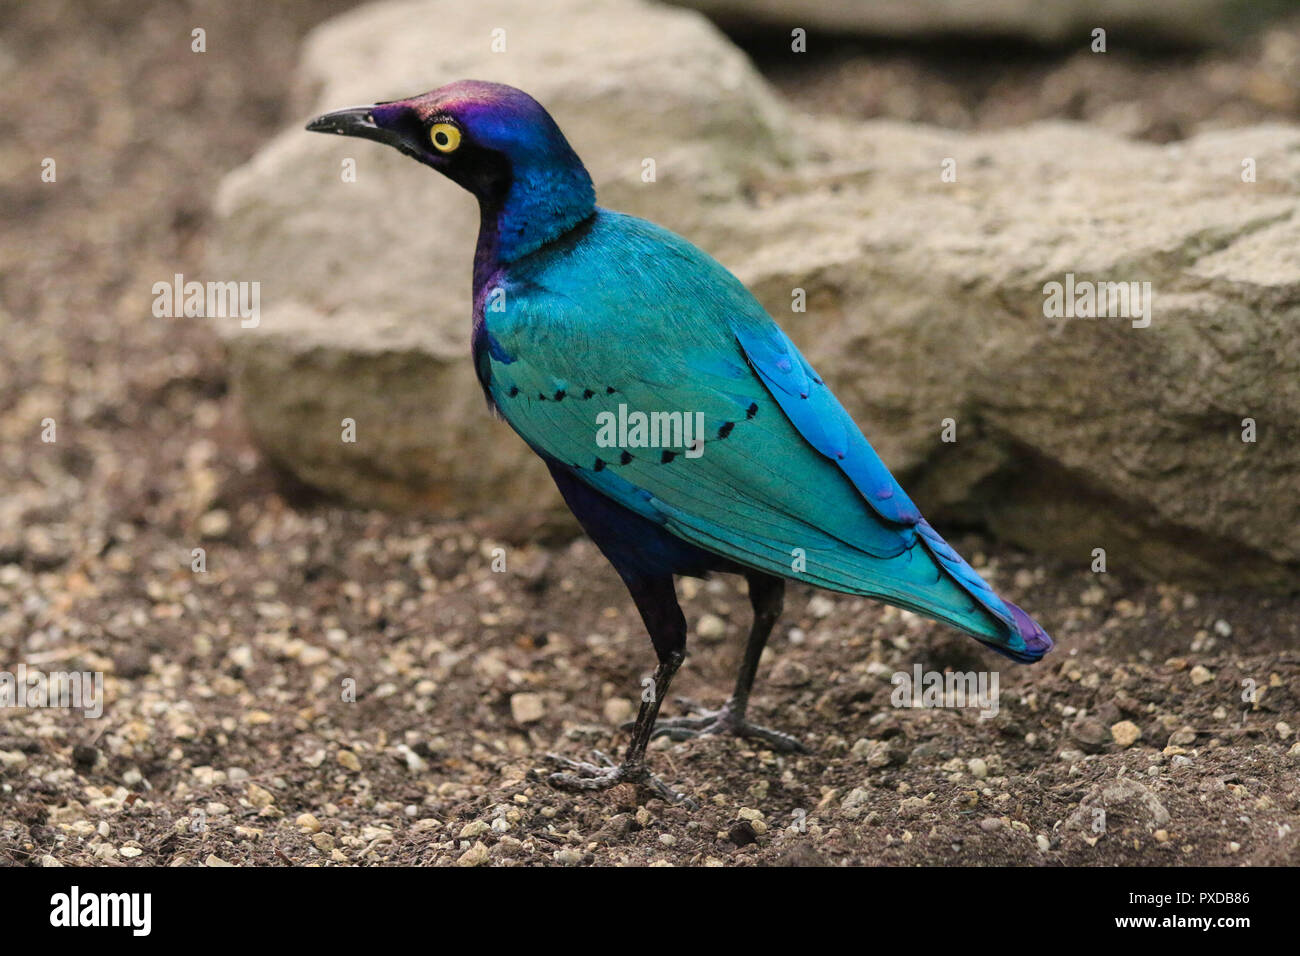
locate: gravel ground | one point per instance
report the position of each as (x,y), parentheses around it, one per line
(228,734)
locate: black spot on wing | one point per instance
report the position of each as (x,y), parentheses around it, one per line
(666,457)
(725,429)
(624,458)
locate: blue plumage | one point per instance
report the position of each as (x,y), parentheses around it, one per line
(584,316)
(794,473)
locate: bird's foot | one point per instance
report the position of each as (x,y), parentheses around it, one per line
(581,775)
(725,721)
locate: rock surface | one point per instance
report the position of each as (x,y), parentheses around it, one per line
(1055,21)
(925,298)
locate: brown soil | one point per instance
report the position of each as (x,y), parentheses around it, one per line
(226,723)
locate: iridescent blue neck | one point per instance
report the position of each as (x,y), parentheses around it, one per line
(542,203)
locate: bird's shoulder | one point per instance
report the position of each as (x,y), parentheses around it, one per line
(621,273)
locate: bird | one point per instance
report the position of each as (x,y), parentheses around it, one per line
(683,428)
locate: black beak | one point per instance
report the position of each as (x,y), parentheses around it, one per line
(355,121)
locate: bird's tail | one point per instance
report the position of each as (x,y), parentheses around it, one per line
(1018,636)
(1037,641)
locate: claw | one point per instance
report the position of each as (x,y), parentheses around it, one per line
(690,706)
(588,776)
(683,728)
(577,765)
(724,721)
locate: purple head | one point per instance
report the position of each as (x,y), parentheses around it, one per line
(494,140)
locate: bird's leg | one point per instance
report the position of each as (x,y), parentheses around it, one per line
(581,775)
(767,595)
(657,601)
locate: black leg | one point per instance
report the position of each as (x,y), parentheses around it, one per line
(767,595)
(656,599)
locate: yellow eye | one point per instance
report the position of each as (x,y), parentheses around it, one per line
(445,137)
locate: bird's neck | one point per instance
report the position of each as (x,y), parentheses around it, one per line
(538,205)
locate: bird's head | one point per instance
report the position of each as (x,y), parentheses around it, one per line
(494,140)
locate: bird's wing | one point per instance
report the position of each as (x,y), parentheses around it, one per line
(784,481)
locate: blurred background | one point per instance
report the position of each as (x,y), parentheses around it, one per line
(802,143)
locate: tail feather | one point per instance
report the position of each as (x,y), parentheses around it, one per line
(1037,641)
(1023,639)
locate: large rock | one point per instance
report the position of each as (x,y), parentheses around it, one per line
(1128,22)
(926,302)
(925,297)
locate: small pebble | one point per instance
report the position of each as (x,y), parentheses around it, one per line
(710,627)
(618,711)
(527,708)
(349,761)
(820,606)
(476,855)
(1126,733)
